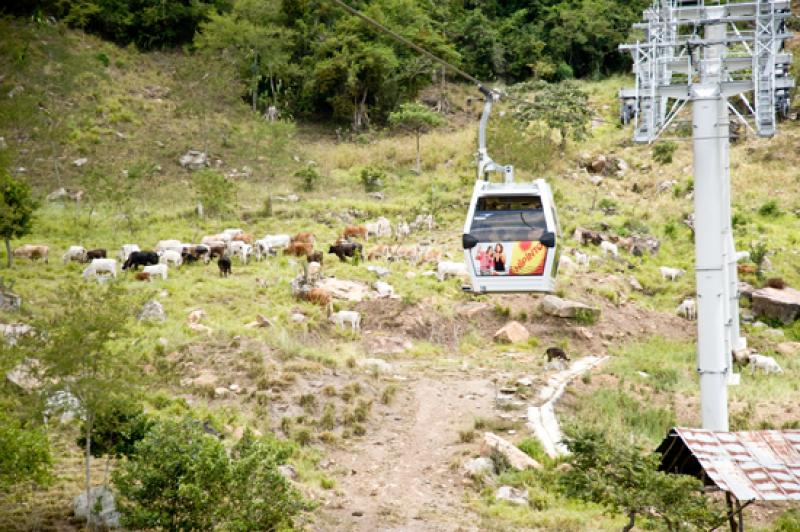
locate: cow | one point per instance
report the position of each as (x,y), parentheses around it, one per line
(276,241)
(171,256)
(304,237)
(378,252)
(244,237)
(609,248)
(343,249)
(355,230)
(75,253)
(687,309)
(670,273)
(556,353)
(126,251)
(98,253)
(224,264)
(33,252)
(445,269)
(142,276)
(100,266)
(347,316)
(140,258)
(299,249)
(402,230)
(164,245)
(157,269)
(320,297)
(317,256)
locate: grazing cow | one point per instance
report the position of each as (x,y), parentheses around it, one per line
(587,236)
(243,252)
(142,276)
(32,252)
(671,273)
(556,353)
(262,249)
(299,249)
(164,245)
(355,230)
(233,233)
(213,240)
(581,259)
(171,256)
(98,253)
(410,253)
(188,258)
(379,252)
(224,264)
(193,253)
(75,253)
(446,269)
(98,266)
(126,251)
(343,249)
(384,227)
(431,255)
(764,363)
(347,316)
(422,221)
(687,309)
(216,251)
(277,241)
(244,237)
(402,231)
(157,269)
(305,237)
(320,297)
(609,248)
(317,256)
(140,258)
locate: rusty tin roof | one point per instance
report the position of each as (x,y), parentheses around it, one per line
(762,465)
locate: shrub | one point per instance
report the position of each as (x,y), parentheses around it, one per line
(180,478)
(770,209)
(663,152)
(309,177)
(372,178)
(215,192)
(607,206)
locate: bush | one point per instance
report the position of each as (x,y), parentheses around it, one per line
(309,178)
(372,178)
(24,452)
(180,478)
(770,209)
(215,191)
(663,152)
(608,206)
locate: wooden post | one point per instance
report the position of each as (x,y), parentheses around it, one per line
(731,512)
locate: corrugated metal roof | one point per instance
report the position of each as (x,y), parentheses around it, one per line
(761,465)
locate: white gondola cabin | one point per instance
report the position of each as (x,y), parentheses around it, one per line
(510,238)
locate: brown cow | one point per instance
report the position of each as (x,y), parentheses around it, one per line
(355,230)
(32,252)
(98,253)
(142,276)
(299,249)
(244,237)
(321,297)
(378,252)
(746,268)
(431,255)
(306,237)
(317,256)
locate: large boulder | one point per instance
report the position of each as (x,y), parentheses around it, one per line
(515,457)
(564,308)
(788,349)
(512,332)
(347,290)
(472,309)
(387,345)
(152,311)
(512,495)
(101,503)
(783,304)
(479,467)
(23,375)
(194,160)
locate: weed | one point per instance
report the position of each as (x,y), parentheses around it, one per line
(286,424)
(309,177)
(770,209)
(302,437)
(328,419)
(308,401)
(359,430)
(480,423)
(361,411)
(327,437)
(608,206)
(466,436)
(387,396)
(664,151)
(329,390)
(372,178)
(327,483)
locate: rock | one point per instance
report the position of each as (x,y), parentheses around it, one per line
(472,309)
(746,315)
(596,180)
(788,349)
(23,375)
(783,305)
(378,195)
(205,380)
(378,364)
(287,471)
(383,289)
(512,332)
(387,345)
(516,458)
(584,333)
(598,165)
(80,162)
(347,290)
(65,193)
(411,275)
(297,317)
(152,311)
(564,308)
(101,503)
(221,392)
(64,404)
(193,160)
(479,467)
(235,388)
(774,332)
(635,284)
(292,198)
(525,381)
(380,271)
(511,495)
(746,290)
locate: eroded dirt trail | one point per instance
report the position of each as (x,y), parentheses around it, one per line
(400,477)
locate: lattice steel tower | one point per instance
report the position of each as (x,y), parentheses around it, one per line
(707,52)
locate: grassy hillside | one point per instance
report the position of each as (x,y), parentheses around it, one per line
(65,95)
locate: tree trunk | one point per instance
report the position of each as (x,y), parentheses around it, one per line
(419,165)
(9,256)
(108,468)
(631,521)
(88,472)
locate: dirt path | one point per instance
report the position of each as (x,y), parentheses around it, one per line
(400,477)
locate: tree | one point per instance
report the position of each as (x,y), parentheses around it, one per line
(24,452)
(180,478)
(81,354)
(214,191)
(625,479)
(418,119)
(563,107)
(16,210)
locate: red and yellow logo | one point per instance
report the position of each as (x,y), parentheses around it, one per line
(528,258)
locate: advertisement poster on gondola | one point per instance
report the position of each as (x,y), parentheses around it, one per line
(509,258)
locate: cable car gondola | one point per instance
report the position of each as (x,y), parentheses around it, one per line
(511,231)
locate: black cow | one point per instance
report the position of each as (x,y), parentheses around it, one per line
(555,352)
(140,258)
(344,249)
(188,258)
(224,263)
(99,253)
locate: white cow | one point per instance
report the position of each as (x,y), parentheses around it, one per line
(581,259)
(765,363)
(170,256)
(75,253)
(261,249)
(233,232)
(402,231)
(164,245)
(243,252)
(422,221)
(384,227)
(347,316)
(671,273)
(210,240)
(446,269)
(99,266)
(687,309)
(609,248)
(126,250)
(156,269)
(277,241)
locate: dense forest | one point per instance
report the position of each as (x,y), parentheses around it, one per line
(309,58)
